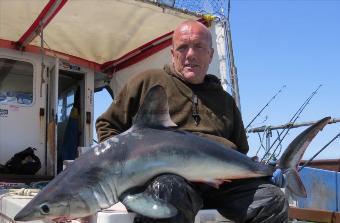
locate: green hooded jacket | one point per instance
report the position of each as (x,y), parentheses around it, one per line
(204,109)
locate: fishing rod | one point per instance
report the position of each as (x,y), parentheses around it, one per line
(228,13)
(258,114)
(316,154)
(291,122)
(290,126)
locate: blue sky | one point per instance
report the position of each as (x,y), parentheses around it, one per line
(293,43)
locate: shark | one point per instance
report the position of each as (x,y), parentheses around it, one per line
(111,171)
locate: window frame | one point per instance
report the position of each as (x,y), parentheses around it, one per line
(31,62)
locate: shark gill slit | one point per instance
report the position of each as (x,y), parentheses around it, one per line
(108,190)
(100,195)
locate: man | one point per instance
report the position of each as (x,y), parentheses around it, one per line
(198,104)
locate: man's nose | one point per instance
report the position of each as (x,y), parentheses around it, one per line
(191,53)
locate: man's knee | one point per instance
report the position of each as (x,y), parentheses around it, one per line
(167,184)
(178,192)
(271,194)
(263,203)
(270,205)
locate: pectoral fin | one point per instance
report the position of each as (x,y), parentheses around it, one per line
(149,206)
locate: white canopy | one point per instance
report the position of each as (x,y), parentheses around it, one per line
(98,31)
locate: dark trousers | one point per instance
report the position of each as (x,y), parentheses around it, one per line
(254,200)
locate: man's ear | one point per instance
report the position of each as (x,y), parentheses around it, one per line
(211,54)
(172,55)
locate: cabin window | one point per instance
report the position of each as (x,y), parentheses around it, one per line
(16,82)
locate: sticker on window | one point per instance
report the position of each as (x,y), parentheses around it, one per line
(3,112)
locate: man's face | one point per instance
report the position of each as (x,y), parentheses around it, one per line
(192,52)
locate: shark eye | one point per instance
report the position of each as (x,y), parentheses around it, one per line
(44,209)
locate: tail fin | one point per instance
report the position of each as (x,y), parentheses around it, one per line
(294,183)
(291,157)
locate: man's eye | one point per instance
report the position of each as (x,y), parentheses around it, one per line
(182,48)
(199,47)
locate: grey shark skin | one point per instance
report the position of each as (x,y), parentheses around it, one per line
(291,157)
(108,172)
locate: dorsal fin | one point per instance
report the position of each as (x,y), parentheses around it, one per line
(154,111)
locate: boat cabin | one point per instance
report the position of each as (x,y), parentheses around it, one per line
(55,55)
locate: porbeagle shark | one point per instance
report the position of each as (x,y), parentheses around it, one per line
(109,171)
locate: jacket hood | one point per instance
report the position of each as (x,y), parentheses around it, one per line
(210,80)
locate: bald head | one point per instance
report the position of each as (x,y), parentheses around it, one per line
(192,26)
(191,51)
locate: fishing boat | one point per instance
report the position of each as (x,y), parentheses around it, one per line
(55,55)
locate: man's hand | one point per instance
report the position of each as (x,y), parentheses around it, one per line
(278,178)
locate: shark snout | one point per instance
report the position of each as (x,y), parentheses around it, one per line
(30,213)
(24,216)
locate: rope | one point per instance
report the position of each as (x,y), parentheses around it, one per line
(24,192)
(17,194)
(20,193)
